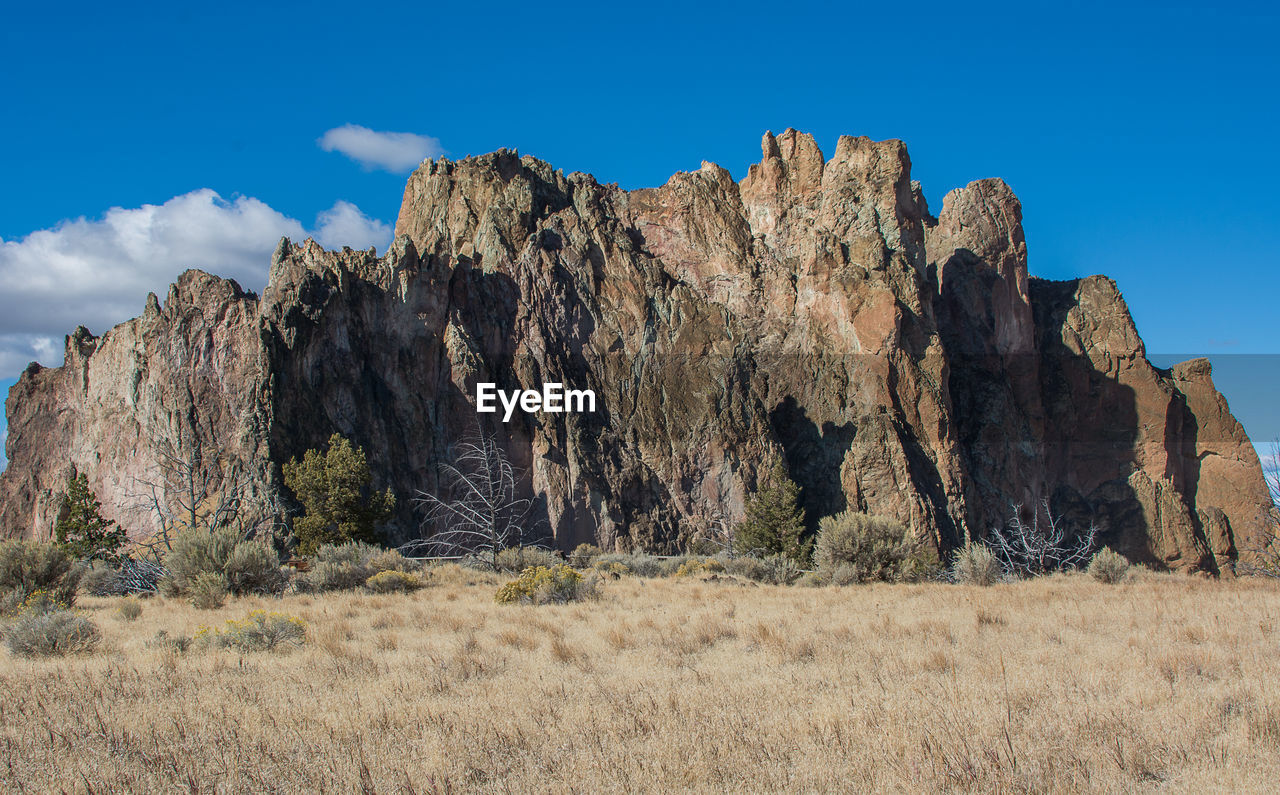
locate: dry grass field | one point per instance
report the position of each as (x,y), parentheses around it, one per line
(1057,684)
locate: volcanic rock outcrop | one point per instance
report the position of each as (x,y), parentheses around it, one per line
(898,363)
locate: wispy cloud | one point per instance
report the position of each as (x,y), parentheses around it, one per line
(389,151)
(97,272)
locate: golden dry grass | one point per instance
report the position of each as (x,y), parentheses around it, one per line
(675,685)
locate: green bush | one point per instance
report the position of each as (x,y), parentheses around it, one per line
(352,553)
(102,579)
(245,566)
(54,633)
(517,559)
(637,564)
(11,602)
(194,552)
(253,567)
(393,582)
(842,575)
(390,560)
(781,570)
(542,585)
(332,577)
(1109,566)
(747,566)
(208,591)
(975,564)
(30,566)
(584,555)
(259,631)
(342,567)
(873,548)
(810,579)
(129,608)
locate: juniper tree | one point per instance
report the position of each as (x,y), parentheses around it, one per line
(335,489)
(774,521)
(81,529)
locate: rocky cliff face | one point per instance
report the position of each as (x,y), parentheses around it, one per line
(899,363)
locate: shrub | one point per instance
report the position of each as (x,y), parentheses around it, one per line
(244,566)
(195,552)
(842,575)
(748,566)
(638,564)
(30,566)
(332,577)
(517,559)
(613,570)
(1109,566)
(129,608)
(352,553)
(693,565)
(393,582)
(11,602)
(175,643)
(781,570)
(34,602)
(102,579)
(584,555)
(873,548)
(975,564)
(810,579)
(208,591)
(541,585)
(54,633)
(1029,547)
(340,567)
(253,567)
(259,631)
(390,560)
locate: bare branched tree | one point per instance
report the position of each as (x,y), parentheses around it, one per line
(1037,547)
(478,510)
(195,486)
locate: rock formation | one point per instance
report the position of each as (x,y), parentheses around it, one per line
(898,363)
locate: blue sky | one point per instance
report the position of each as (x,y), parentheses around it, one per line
(1141,138)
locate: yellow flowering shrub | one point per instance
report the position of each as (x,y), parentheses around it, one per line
(694,566)
(393,582)
(259,631)
(542,584)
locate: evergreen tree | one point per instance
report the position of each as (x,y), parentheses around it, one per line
(81,528)
(774,524)
(334,488)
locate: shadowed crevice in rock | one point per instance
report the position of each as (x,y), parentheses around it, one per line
(814,458)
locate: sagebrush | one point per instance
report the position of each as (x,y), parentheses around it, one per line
(858,547)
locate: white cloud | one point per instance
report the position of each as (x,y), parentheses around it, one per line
(4,437)
(389,151)
(344,225)
(97,273)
